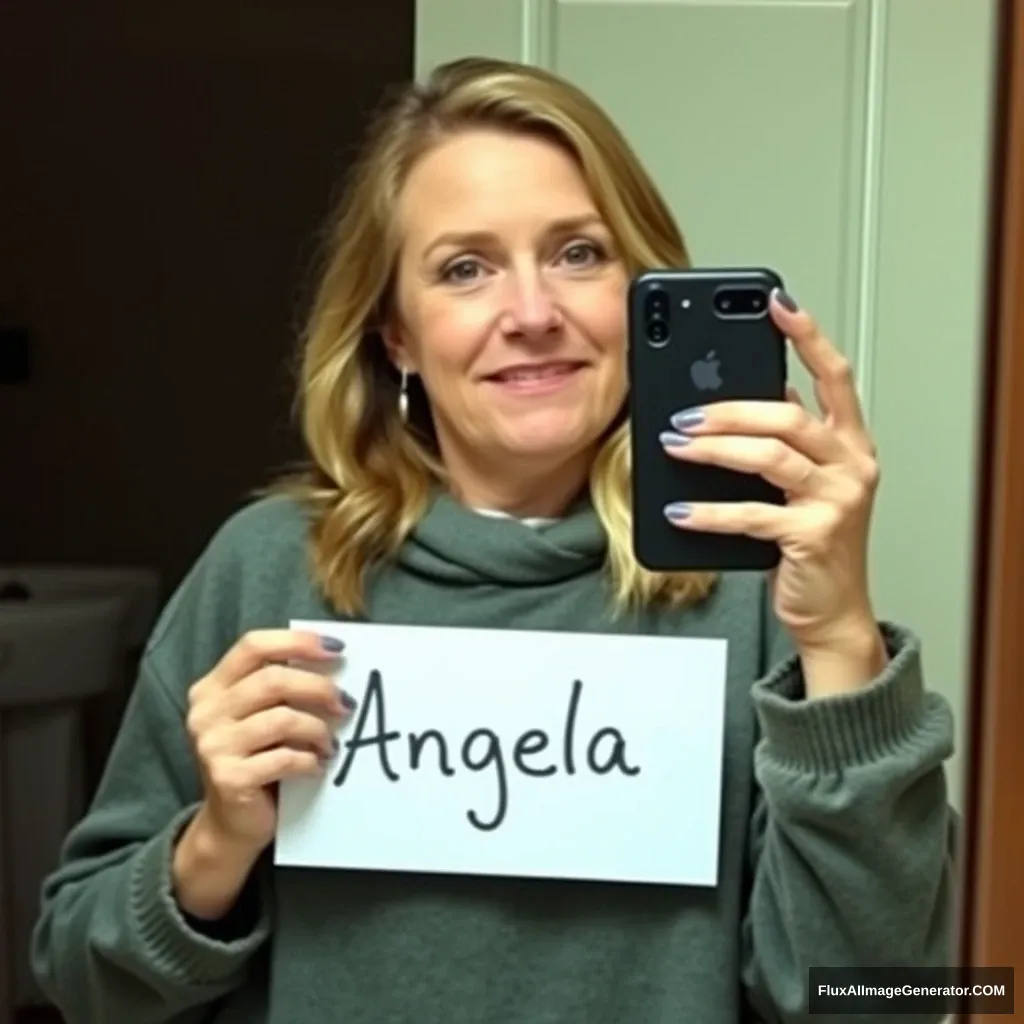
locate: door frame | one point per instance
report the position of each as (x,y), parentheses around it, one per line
(993,849)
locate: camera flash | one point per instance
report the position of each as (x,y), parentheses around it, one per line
(685,303)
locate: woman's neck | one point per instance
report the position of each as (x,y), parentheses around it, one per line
(524,491)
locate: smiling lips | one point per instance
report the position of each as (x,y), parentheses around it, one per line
(536,378)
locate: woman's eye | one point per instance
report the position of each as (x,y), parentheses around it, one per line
(582,254)
(461,270)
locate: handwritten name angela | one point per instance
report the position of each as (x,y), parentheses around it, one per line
(482,750)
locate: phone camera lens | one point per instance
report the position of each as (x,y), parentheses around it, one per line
(741,302)
(657,303)
(657,331)
(657,316)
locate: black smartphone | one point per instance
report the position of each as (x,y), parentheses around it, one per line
(698,336)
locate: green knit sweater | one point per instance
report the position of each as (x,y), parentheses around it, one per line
(836,837)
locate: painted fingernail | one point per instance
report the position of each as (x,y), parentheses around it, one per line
(332,644)
(335,744)
(676,511)
(348,701)
(687,418)
(671,440)
(786,300)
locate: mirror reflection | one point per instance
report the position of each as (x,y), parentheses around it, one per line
(497,504)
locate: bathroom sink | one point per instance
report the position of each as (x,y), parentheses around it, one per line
(56,654)
(70,636)
(140,585)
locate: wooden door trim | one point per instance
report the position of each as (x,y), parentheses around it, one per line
(993,849)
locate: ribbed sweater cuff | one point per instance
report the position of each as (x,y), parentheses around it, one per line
(832,733)
(180,951)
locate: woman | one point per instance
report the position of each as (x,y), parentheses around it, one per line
(462,391)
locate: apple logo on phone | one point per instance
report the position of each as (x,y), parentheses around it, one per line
(704,373)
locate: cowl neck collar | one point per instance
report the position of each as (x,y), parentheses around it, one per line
(453,544)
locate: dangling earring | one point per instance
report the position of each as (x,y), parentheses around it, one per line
(403,396)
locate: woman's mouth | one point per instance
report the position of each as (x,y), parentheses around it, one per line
(536,378)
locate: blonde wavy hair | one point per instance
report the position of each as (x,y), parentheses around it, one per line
(369,475)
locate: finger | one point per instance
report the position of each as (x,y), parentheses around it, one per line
(786,421)
(768,457)
(257,648)
(827,365)
(274,685)
(235,776)
(282,727)
(754,519)
(794,396)
(270,766)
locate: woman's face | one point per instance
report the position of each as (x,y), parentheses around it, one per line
(510,302)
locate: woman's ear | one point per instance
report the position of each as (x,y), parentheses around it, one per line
(392,336)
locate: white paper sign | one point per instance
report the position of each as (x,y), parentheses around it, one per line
(502,752)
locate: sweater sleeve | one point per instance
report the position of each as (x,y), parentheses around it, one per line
(111,943)
(852,840)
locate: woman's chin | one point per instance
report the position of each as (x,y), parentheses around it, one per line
(549,441)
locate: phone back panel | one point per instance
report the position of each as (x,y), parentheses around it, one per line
(706,358)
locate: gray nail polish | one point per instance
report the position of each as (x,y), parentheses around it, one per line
(671,440)
(677,510)
(332,644)
(687,418)
(335,744)
(348,700)
(786,301)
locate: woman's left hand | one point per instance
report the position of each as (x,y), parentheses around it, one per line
(828,470)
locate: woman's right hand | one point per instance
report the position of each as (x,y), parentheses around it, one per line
(255,721)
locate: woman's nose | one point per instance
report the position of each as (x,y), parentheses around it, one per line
(532,307)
